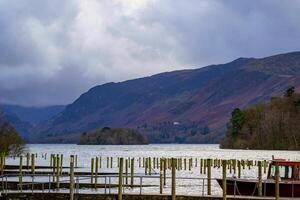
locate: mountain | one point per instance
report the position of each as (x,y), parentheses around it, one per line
(33,115)
(22,127)
(186,106)
(23,119)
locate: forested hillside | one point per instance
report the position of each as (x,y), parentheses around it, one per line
(272,125)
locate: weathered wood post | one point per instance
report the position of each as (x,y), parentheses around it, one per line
(239,168)
(72,177)
(57,171)
(61,163)
(161,176)
(107,162)
(265,166)
(277,194)
(96,171)
(132,172)
(259,179)
(76,161)
(204,166)
(201,165)
(111,162)
(27,160)
(92,170)
(126,171)
(120,179)
(145,163)
(224,182)
(165,169)
(32,164)
(53,168)
(173,180)
(149,165)
(20,173)
(208,176)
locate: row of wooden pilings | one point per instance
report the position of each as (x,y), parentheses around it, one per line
(173,164)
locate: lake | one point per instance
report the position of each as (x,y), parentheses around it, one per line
(86,152)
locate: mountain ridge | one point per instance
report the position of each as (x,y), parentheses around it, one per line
(205,96)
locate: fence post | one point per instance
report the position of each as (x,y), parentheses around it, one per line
(173,179)
(259,179)
(71,177)
(120,179)
(224,182)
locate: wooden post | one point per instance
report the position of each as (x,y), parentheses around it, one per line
(277,194)
(208,176)
(107,162)
(145,163)
(53,168)
(27,160)
(57,171)
(92,170)
(259,179)
(32,164)
(161,177)
(100,162)
(149,165)
(201,165)
(126,171)
(61,163)
(76,159)
(72,177)
(165,169)
(204,166)
(132,172)
(239,168)
(224,182)
(173,180)
(120,179)
(265,166)
(20,174)
(96,171)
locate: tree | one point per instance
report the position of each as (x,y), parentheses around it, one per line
(10,141)
(237,121)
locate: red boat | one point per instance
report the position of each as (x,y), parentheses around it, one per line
(289,181)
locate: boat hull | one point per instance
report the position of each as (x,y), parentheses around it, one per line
(249,187)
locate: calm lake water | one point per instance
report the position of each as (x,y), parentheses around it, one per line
(86,152)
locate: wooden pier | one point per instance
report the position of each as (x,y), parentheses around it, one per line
(59,181)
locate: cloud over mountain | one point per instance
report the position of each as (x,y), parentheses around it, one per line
(52,51)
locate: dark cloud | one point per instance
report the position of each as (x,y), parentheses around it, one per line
(52,51)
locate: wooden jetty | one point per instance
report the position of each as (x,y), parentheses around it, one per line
(58,181)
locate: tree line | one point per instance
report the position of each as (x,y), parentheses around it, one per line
(271,125)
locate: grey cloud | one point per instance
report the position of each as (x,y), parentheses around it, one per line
(52,51)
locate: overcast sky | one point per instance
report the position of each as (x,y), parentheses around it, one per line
(51,51)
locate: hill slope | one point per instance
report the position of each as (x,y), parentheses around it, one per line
(178,106)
